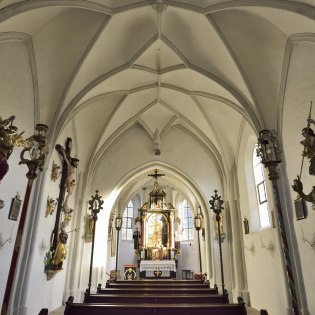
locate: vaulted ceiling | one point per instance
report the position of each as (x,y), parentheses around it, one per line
(209,66)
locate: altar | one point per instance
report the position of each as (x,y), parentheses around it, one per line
(154,240)
(158,268)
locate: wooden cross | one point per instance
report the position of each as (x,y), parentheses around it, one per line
(68,166)
(156,175)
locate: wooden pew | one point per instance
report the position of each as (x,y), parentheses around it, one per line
(147,309)
(130,284)
(154,298)
(157,290)
(162,281)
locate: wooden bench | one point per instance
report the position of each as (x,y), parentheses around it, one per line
(156,285)
(162,281)
(160,309)
(157,290)
(154,298)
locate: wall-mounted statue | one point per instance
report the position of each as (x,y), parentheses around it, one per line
(55,172)
(50,206)
(61,250)
(308,152)
(8,139)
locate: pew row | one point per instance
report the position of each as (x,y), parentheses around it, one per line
(154,298)
(162,281)
(157,290)
(130,284)
(160,309)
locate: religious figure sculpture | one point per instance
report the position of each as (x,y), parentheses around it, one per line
(71,163)
(55,172)
(309,146)
(50,207)
(61,250)
(8,139)
(308,152)
(222,234)
(136,239)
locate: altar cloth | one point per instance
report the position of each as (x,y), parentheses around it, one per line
(159,265)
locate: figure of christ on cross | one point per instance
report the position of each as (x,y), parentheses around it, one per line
(66,184)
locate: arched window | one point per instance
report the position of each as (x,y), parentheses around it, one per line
(261,192)
(127,222)
(187,221)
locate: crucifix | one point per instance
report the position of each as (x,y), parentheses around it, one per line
(67,183)
(156,185)
(156,175)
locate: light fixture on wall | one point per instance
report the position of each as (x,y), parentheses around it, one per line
(118,226)
(269,152)
(33,155)
(216,206)
(198,226)
(95,205)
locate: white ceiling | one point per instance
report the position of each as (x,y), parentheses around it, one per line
(208,65)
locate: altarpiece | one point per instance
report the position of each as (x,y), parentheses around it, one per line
(156,244)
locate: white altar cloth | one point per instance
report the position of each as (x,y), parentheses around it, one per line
(160,265)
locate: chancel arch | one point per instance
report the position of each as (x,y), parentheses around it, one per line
(136,186)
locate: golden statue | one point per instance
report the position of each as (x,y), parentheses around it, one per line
(61,250)
(220,225)
(55,172)
(50,207)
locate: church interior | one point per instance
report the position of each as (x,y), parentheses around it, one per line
(157,140)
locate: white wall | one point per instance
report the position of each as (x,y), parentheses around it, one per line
(265,275)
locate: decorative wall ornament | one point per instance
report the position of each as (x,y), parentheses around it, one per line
(50,206)
(270,246)
(8,240)
(305,240)
(251,248)
(246,225)
(55,172)
(156,142)
(15,207)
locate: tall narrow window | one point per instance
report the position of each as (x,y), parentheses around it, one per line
(187,221)
(127,222)
(261,192)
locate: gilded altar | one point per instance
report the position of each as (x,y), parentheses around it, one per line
(156,224)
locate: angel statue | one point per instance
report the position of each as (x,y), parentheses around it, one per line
(50,207)
(298,187)
(55,172)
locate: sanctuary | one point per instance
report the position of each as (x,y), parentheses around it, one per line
(155,245)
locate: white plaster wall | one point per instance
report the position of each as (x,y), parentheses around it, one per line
(16,98)
(51,292)
(295,113)
(265,274)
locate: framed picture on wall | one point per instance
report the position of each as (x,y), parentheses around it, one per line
(15,208)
